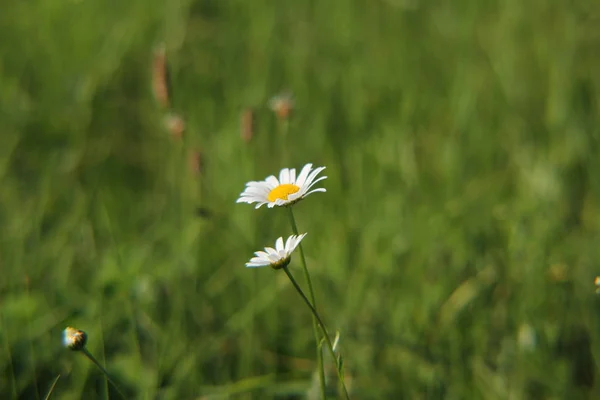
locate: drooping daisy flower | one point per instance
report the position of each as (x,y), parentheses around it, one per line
(284,191)
(277,257)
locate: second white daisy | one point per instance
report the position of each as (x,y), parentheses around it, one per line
(284,191)
(277,257)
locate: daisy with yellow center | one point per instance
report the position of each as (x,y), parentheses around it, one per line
(284,191)
(278,257)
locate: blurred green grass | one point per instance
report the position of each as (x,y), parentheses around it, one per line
(455,249)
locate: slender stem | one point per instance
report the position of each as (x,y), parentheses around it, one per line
(52,388)
(13,379)
(320,361)
(104,371)
(303,259)
(322,325)
(321,365)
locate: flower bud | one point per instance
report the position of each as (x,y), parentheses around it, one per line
(74,339)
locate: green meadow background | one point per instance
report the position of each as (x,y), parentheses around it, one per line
(455,249)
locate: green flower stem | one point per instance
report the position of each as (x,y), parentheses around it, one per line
(303,259)
(52,388)
(312,300)
(104,371)
(320,363)
(322,325)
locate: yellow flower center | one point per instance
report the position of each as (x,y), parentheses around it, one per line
(281,263)
(282,192)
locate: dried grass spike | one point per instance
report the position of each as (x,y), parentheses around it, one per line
(247,125)
(160,77)
(195,162)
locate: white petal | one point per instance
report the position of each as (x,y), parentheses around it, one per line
(303,174)
(259,260)
(248,195)
(260,190)
(284,176)
(255,183)
(306,187)
(263,188)
(293,175)
(254,265)
(295,196)
(312,176)
(250,198)
(298,240)
(279,244)
(289,243)
(315,190)
(272,182)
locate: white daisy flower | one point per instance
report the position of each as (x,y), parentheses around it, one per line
(277,257)
(284,191)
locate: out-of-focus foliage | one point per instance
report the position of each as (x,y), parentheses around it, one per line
(455,249)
